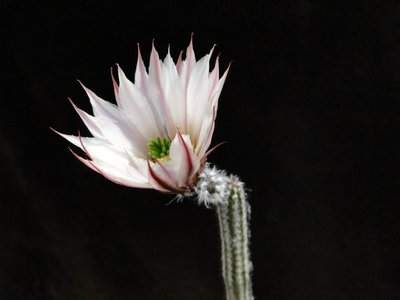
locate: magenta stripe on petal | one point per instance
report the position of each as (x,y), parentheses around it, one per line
(162,184)
(189,160)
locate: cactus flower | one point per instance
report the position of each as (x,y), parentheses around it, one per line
(158,134)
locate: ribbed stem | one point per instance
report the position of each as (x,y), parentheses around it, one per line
(233,222)
(227,195)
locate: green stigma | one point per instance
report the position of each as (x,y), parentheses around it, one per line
(159,148)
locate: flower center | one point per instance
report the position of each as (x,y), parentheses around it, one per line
(159,148)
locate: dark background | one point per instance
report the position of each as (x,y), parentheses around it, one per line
(311,111)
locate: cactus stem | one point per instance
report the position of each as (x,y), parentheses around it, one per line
(227,195)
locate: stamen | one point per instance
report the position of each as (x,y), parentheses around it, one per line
(159,148)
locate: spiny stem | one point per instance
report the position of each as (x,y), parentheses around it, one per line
(227,195)
(233,222)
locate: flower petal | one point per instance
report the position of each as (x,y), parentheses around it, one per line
(179,63)
(156,92)
(197,96)
(141,76)
(214,76)
(174,92)
(123,135)
(114,125)
(216,92)
(117,175)
(210,114)
(183,161)
(101,152)
(115,86)
(160,182)
(206,132)
(89,121)
(135,105)
(100,106)
(84,161)
(116,170)
(185,66)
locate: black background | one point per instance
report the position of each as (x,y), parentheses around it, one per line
(311,113)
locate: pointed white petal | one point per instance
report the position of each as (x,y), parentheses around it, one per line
(86,162)
(174,92)
(117,130)
(186,66)
(100,106)
(156,93)
(115,86)
(137,107)
(216,92)
(159,180)
(99,151)
(214,76)
(206,132)
(183,161)
(210,113)
(123,135)
(179,63)
(118,175)
(115,126)
(197,96)
(89,121)
(141,76)
(114,164)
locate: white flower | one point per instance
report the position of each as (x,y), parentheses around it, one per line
(158,134)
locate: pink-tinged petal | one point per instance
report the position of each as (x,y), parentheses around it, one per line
(184,163)
(161,169)
(212,50)
(218,87)
(166,173)
(160,183)
(141,76)
(123,135)
(208,122)
(113,170)
(184,69)
(89,121)
(179,63)
(103,152)
(213,149)
(156,92)
(214,76)
(101,107)
(204,158)
(143,84)
(186,66)
(115,126)
(155,69)
(118,176)
(206,133)
(197,96)
(174,92)
(115,86)
(189,157)
(137,107)
(70,138)
(86,162)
